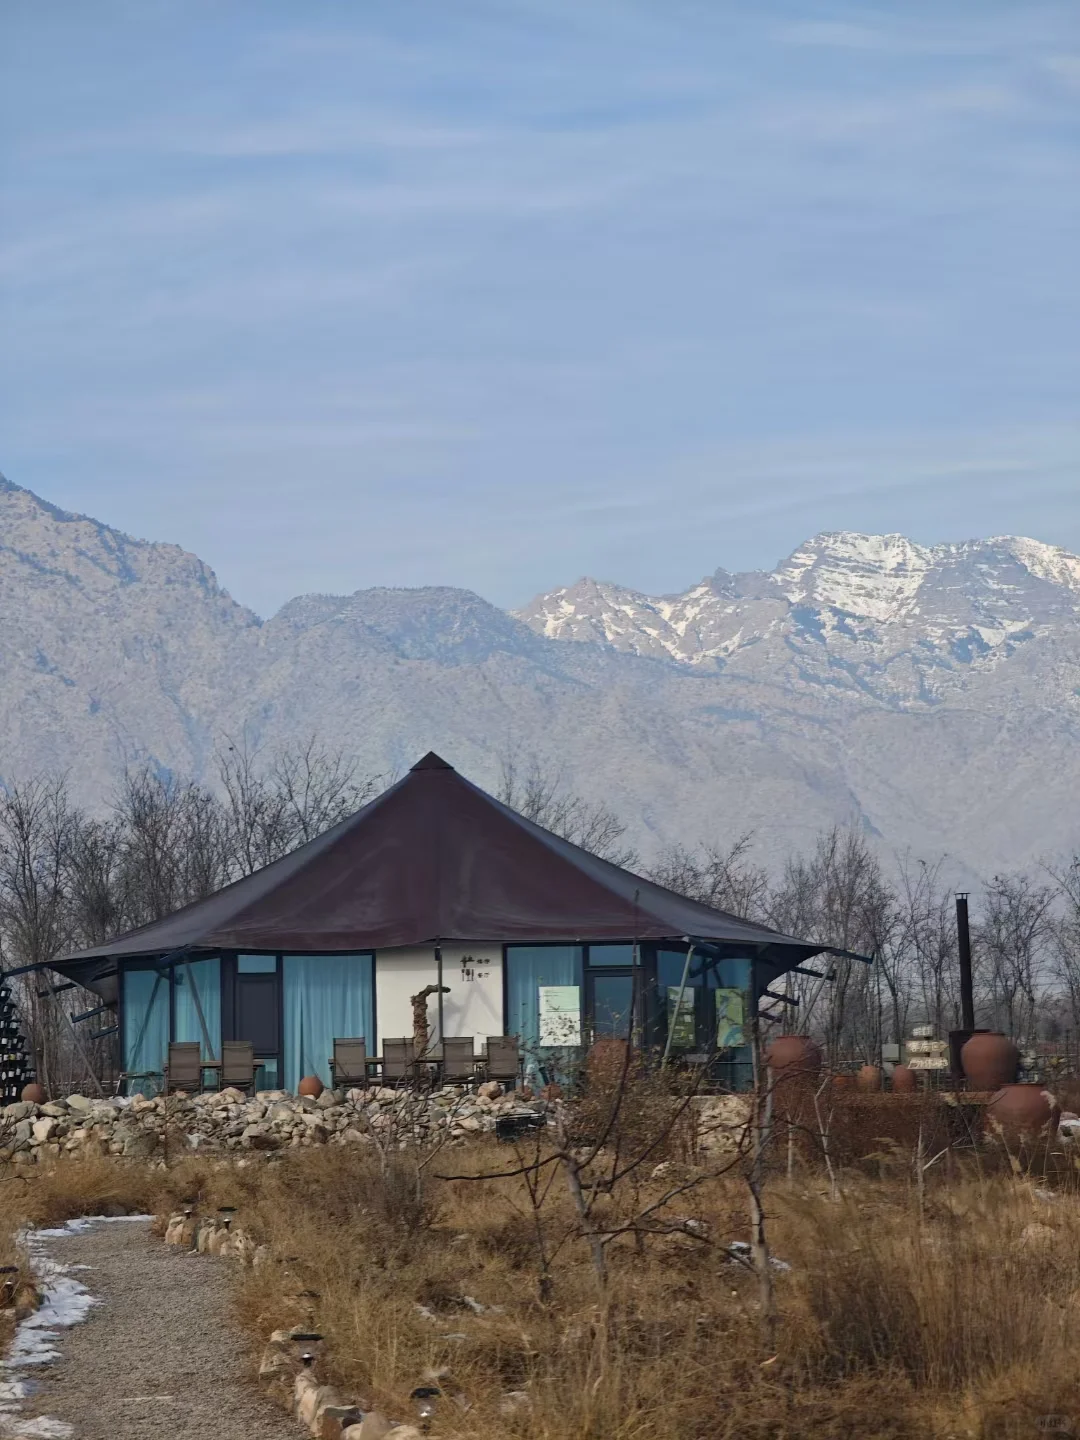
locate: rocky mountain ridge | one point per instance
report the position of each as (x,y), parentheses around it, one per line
(906,619)
(928,694)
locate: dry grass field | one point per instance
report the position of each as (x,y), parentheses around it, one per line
(946,1309)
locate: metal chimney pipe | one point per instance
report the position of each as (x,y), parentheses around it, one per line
(963,936)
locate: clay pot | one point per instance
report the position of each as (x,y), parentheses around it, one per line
(310,1085)
(1022,1112)
(989,1060)
(904,1080)
(869,1079)
(793,1057)
(843,1082)
(33,1094)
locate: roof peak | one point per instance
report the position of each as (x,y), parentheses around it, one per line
(431,761)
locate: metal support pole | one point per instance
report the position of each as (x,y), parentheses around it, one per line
(439,981)
(963,936)
(678,1005)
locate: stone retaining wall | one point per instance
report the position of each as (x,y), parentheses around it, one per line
(227,1121)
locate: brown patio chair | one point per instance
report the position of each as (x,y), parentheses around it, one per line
(183,1069)
(502,1059)
(398,1062)
(349,1063)
(458,1061)
(237,1065)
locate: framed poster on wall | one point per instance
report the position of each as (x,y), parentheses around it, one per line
(730,1019)
(682,1028)
(560,1014)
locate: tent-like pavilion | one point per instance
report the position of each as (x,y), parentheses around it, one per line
(436,883)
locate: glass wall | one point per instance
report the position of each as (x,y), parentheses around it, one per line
(325,997)
(712,1010)
(197,1004)
(554,975)
(601,955)
(145,1029)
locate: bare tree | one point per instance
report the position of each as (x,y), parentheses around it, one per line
(1065,943)
(35,823)
(541,795)
(319,788)
(725,878)
(927,918)
(1015,936)
(838,896)
(92,871)
(173,844)
(272,808)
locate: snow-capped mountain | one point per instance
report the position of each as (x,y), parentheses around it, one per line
(929,694)
(910,621)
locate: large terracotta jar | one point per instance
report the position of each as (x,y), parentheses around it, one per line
(1023,1112)
(868,1079)
(904,1080)
(843,1082)
(792,1057)
(989,1060)
(311,1086)
(33,1094)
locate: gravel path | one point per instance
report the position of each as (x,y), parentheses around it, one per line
(157,1358)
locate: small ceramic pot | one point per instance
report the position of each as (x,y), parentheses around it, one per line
(311,1086)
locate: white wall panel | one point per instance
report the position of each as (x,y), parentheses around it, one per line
(474,1006)
(399,974)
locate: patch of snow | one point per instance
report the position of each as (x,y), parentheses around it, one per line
(56,1232)
(43,1428)
(65,1302)
(874,576)
(1047,562)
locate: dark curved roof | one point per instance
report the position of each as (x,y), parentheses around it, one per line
(435,858)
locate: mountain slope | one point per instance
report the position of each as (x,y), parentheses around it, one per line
(929,694)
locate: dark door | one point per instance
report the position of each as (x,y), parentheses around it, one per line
(609,1004)
(258,1015)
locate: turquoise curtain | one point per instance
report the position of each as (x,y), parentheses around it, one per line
(527,968)
(326,997)
(205,975)
(146,1019)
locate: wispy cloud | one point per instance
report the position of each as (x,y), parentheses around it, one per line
(629,289)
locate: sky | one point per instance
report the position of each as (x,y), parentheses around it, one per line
(499,293)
